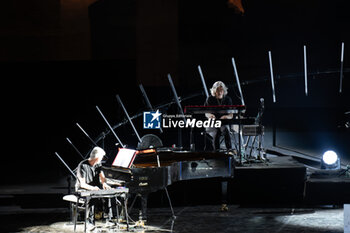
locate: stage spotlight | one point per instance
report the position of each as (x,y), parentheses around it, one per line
(330,161)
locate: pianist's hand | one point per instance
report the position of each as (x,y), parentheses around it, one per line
(229,116)
(210,116)
(106,186)
(95,188)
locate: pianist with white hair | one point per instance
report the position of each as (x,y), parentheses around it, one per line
(91,177)
(219,97)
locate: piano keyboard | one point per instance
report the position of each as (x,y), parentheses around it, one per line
(102,193)
(200,109)
(111,181)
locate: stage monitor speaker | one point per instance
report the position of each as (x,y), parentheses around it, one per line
(149,141)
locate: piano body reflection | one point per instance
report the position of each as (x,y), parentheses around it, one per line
(146,176)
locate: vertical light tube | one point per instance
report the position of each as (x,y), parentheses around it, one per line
(149,105)
(341,67)
(110,127)
(129,119)
(203,82)
(272,80)
(305,71)
(175,94)
(237,80)
(179,105)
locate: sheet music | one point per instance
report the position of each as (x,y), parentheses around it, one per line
(124,158)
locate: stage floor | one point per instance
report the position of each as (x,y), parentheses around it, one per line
(193,219)
(19,210)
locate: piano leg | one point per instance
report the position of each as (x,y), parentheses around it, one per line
(224,201)
(143,211)
(125,198)
(143,216)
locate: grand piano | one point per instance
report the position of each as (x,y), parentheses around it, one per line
(158,168)
(147,176)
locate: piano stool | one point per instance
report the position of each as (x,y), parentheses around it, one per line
(75,204)
(72,198)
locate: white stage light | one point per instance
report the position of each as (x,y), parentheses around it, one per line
(330,157)
(330,160)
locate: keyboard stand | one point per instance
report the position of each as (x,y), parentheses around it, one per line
(86,200)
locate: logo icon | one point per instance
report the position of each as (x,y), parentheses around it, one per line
(151,120)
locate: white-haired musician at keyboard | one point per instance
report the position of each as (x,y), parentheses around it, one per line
(91,177)
(219,97)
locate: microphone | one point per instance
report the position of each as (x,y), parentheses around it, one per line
(262,105)
(260,111)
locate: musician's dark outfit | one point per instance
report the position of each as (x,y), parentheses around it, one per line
(91,176)
(215,133)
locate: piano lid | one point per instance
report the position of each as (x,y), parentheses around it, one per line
(169,157)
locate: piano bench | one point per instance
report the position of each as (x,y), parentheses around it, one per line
(73,198)
(74,208)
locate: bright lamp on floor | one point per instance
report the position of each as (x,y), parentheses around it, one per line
(330,161)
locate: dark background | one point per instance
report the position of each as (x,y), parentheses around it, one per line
(55,72)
